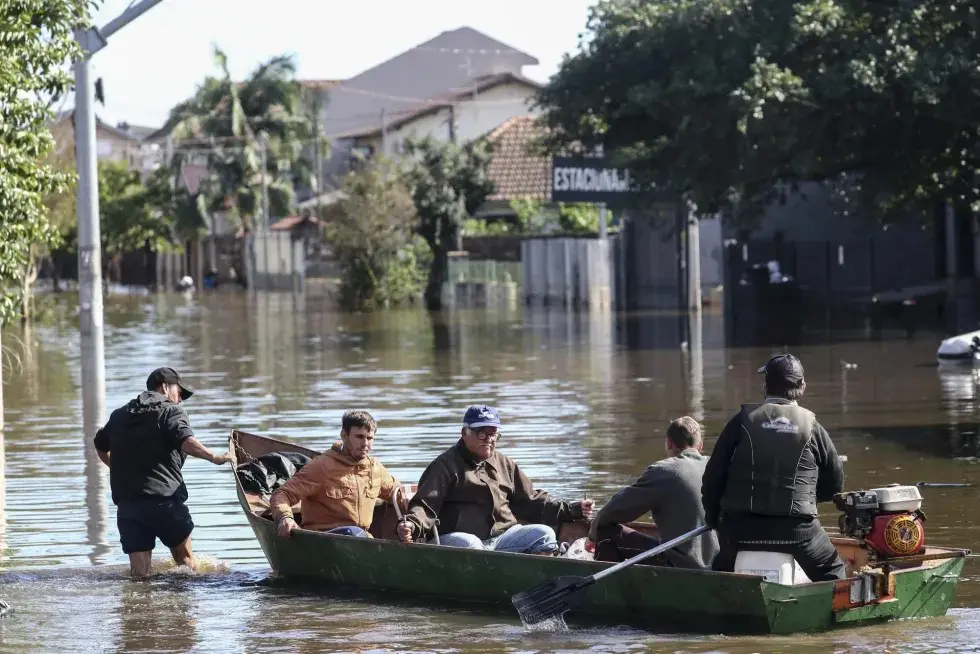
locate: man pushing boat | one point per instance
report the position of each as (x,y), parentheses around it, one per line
(145,444)
(475,497)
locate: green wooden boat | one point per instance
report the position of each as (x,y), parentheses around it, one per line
(648,597)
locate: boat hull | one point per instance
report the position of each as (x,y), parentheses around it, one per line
(649,597)
(957,349)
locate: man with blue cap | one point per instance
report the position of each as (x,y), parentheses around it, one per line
(770,467)
(476,497)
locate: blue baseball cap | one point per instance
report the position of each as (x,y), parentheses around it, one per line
(481,415)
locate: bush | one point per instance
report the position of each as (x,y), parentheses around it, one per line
(382,261)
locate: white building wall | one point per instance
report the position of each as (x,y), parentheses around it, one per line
(474,118)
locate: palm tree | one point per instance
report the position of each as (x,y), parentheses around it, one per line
(251,134)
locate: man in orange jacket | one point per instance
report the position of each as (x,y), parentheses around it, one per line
(337,490)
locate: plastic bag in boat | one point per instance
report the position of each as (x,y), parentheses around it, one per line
(270,471)
(578,551)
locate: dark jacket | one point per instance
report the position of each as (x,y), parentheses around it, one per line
(772,464)
(483,498)
(144,440)
(671,491)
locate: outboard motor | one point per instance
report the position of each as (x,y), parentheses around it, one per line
(889,520)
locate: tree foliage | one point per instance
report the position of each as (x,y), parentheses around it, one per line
(132,214)
(449,182)
(371,231)
(728,101)
(229,123)
(36,46)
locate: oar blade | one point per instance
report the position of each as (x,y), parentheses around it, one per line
(549,600)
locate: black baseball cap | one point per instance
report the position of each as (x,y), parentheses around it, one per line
(785,367)
(168,376)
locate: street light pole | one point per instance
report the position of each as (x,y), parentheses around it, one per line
(89,237)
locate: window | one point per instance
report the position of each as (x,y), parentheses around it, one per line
(105,148)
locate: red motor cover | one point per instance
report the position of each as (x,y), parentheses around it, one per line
(897,534)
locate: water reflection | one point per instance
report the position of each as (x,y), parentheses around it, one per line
(3,491)
(96,473)
(695,358)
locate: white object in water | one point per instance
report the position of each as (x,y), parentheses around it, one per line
(185,282)
(775,567)
(958,348)
(898,498)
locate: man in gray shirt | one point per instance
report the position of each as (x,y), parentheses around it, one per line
(671,491)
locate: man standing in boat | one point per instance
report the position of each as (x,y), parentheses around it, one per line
(475,496)
(338,489)
(772,464)
(145,444)
(671,491)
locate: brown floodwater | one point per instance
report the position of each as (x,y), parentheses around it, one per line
(585,401)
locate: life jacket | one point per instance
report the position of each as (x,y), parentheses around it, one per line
(773,470)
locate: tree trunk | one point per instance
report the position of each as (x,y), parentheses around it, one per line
(27,287)
(437,275)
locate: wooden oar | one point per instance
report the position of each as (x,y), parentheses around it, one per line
(551,599)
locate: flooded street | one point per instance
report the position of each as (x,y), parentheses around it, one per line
(584,404)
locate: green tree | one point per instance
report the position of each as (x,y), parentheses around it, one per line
(36,44)
(448,182)
(131,217)
(729,102)
(232,123)
(371,231)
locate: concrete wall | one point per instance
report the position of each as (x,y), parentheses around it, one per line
(571,272)
(278,262)
(712,255)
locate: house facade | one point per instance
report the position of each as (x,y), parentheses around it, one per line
(415,91)
(461,115)
(123,143)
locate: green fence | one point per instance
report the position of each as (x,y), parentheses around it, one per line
(483,272)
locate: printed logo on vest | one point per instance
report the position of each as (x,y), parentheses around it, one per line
(782,425)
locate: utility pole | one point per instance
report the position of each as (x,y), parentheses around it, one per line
(693,259)
(319,163)
(89,236)
(384,132)
(90,266)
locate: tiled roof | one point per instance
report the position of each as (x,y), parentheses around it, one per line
(517,172)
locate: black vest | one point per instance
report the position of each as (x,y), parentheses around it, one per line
(773,471)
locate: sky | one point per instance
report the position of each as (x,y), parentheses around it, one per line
(159,59)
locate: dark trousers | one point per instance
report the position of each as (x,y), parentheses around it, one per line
(615,543)
(817,555)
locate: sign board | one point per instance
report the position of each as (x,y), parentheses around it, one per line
(588,179)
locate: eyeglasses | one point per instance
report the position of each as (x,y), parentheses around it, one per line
(484,433)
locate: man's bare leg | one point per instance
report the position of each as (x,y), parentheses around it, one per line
(183,555)
(139,564)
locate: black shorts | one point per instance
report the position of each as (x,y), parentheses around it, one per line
(143,521)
